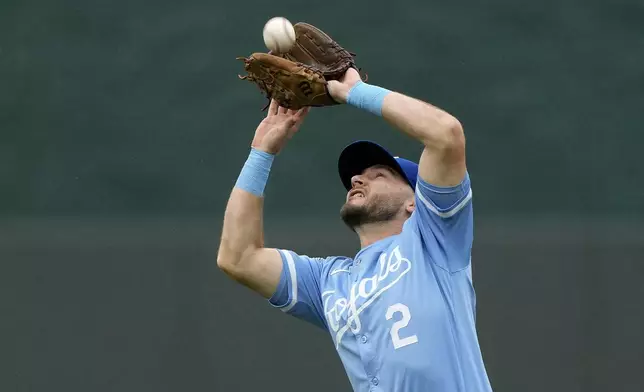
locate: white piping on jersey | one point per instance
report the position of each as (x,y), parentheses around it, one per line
(291,268)
(335,271)
(448,213)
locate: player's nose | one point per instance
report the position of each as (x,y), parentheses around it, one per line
(357,180)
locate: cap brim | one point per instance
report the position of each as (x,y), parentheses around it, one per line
(360,155)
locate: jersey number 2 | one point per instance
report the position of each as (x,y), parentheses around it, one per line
(400,324)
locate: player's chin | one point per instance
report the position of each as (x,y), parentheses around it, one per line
(352,214)
(352,206)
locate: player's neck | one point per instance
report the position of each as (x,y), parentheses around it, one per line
(374,232)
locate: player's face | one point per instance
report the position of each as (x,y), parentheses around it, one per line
(379,194)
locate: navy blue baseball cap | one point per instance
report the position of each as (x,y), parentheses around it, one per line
(360,155)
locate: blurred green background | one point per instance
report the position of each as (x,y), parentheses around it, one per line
(134,108)
(123,127)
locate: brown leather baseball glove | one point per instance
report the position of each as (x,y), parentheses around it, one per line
(299,77)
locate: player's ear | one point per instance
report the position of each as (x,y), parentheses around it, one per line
(410,206)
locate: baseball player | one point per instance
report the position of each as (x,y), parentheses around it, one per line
(401,311)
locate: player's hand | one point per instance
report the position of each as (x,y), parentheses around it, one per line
(339,89)
(278,127)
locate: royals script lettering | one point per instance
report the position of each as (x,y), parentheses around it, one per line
(343,313)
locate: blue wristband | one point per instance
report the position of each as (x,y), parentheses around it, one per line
(368,97)
(254,174)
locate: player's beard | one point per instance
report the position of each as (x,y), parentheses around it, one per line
(378,209)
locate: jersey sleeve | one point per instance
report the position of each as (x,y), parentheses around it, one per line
(444,217)
(298,291)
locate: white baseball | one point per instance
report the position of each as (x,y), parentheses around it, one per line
(279,35)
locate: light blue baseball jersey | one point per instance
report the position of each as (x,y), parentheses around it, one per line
(401,312)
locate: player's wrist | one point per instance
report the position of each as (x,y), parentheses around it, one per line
(338,91)
(263,150)
(367,97)
(254,174)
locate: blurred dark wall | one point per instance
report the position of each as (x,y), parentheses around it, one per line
(123,127)
(124,306)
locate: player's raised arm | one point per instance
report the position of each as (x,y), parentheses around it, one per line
(443,160)
(241,253)
(443,194)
